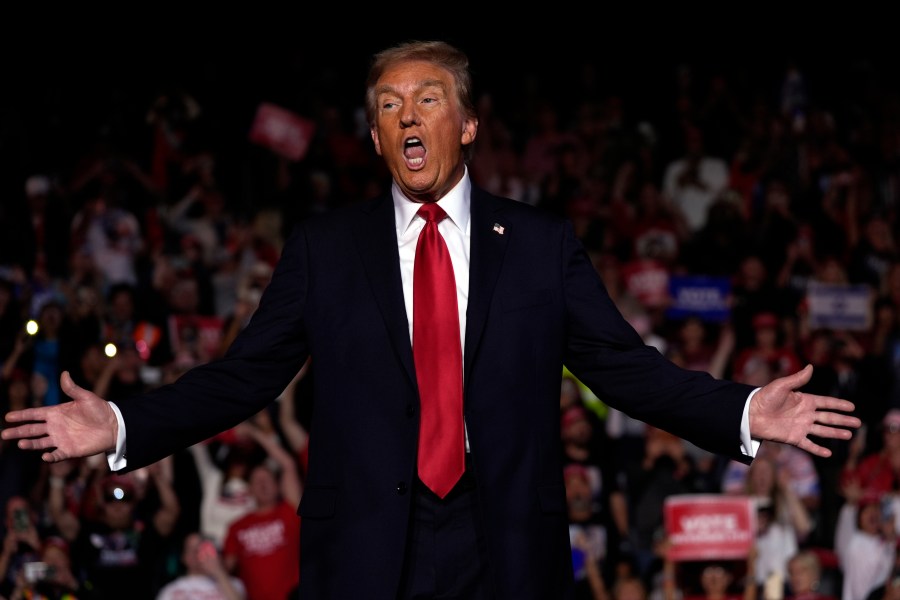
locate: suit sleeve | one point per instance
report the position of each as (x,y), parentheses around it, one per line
(218,395)
(608,355)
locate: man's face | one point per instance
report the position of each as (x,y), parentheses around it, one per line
(420,129)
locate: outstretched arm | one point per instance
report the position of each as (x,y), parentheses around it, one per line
(780,413)
(83,427)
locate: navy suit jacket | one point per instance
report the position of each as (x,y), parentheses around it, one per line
(535,303)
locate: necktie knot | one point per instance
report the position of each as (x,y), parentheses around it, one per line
(430,211)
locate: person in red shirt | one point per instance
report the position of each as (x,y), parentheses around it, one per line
(263,547)
(878,471)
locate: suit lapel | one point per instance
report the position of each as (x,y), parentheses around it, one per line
(489,236)
(377,240)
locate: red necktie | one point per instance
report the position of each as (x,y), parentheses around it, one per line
(438,358)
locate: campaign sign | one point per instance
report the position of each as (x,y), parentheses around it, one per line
(709,526)
(282,131)
(647,280)
(839,306)
(699,296)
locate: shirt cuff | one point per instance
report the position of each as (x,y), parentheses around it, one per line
(749,446)
(116,459)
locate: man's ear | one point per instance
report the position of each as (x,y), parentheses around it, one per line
(374,133)
(470,128)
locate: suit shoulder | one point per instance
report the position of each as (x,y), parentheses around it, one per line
(514,209)
(339,216)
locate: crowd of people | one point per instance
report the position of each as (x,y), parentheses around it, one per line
(126,267)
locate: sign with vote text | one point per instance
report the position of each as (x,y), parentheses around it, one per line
(709,526)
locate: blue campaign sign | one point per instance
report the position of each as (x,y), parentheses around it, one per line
(839,306)
(699,296)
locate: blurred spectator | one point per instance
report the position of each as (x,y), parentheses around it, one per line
(34,231)
(799,265)
(12,319)
(18,469)
(587,534)
(50,578)
(124,325)
(865,541)
(263,546)
(22,544)
(541,148)
(703,346)
(776,543)
(707,579)
(111,236)
(804,580)
(769,348)
(666,470)
(721,243)
(204,577)
(120,554)
(869,260)
(225,491)
(876,472)
(693,180)
(628,587)
(776,226)
(753,292)
(787,478)
(659,229)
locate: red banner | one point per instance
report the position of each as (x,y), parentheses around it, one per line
(282,131)
(709,526)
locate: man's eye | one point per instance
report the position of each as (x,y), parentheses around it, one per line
(388,105)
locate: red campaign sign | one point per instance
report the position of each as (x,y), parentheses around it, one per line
(709,526)
(282,131)
(647,280)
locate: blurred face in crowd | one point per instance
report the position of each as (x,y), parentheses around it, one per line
(715,579)
(263,486)
(420,128)
(761,477)
(118,509)
(578,495)
(803,573)
(50,319)
(576,428)
(869,518)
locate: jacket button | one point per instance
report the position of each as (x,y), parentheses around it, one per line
(410,410)
(401,488)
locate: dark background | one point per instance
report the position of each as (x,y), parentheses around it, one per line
(71,91)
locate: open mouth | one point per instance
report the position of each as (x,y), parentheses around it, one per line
(414,152)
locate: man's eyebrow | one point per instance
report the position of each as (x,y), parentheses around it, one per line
(425,83)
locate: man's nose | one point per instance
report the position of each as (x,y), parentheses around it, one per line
(409,116)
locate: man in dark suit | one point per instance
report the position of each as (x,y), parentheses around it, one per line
(528,302)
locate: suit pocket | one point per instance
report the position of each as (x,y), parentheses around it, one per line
(526,300)
(318,503)
(552,498)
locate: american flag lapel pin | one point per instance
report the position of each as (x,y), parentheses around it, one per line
(498,228)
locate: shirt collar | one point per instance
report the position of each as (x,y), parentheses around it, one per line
(455,203)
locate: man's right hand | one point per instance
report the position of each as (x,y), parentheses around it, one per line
(83,427)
